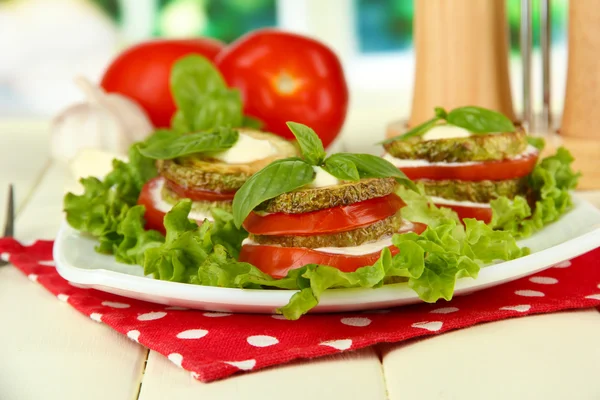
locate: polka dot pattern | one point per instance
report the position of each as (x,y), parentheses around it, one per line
(356,321)
(213,345)
(432,326)
(343,344)
(245,365)
(216,314)
(134,335)
(115,304)
(262,341)
(543,280)
(63,297)
(96,317)
(192,334)
(518,308)
(176,359)
(151,316)
(444,310)
(33,277)
(529,293)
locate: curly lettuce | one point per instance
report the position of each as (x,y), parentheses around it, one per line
(550,183)
(430,263)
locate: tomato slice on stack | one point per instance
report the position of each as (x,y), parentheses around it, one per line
(330,220)
(277,261)
(488,170)
(197,194)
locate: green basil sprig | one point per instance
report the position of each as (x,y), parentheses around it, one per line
(477,120)
(174,146)
(283,176)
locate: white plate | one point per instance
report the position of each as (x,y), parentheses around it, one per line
(574,234)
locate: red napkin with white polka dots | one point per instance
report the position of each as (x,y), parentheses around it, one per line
(216,345)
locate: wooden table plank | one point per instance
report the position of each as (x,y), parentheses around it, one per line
(355,375)
(550,356)
(47,349)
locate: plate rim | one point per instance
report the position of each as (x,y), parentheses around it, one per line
(543,259)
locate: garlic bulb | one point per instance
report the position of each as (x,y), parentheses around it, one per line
(106,121)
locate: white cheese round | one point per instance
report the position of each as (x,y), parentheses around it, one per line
(446,132)
(246,150)
(323,179)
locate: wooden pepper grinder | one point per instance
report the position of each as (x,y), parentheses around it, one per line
(580,130)
(461,51)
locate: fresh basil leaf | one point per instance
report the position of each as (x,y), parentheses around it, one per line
(221,108)
(279,177)
(179,123)
(370,166)
(252,122)
(440,112)
(537,142)
(418,130)
(480,120)
(310,144)
(341,168)
(192,78)
(200,142)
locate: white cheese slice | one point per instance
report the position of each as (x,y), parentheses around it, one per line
(246,150)
(446,132)
(323,179)
(161,205)
(448,202)
(406,163)
(365,248)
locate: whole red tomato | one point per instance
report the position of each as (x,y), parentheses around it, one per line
(142,73)
(287,77)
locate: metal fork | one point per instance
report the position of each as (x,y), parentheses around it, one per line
(9,225)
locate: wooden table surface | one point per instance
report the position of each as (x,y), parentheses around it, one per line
(50,351)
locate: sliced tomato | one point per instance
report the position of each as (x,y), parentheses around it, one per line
(481,213)
(330,220)
(154,216)
(489,170)
(277,261)
(198,195)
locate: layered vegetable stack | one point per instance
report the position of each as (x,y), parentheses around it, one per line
(345,225)
(207,168)
(477,163)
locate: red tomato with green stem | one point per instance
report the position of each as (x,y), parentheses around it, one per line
(142,73)
(287,77)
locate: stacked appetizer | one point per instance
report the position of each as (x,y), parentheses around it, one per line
(207,168)
(465,159)
(340,211)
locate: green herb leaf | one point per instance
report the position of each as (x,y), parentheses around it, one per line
(221,108)
(370,166)
(440,112)
(279,177)
(200,142)
(341,168)
(480,120)
(252,122)
(418,130)
(550,181)
(537,142)
(192,78)
(310,144)
(203,99)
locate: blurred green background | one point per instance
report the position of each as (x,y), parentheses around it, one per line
(380,25)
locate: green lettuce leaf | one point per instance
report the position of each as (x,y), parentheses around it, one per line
(550,182)
(104,205)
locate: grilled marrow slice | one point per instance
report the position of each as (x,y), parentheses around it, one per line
(313,199)
(206,173)
(490,147)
